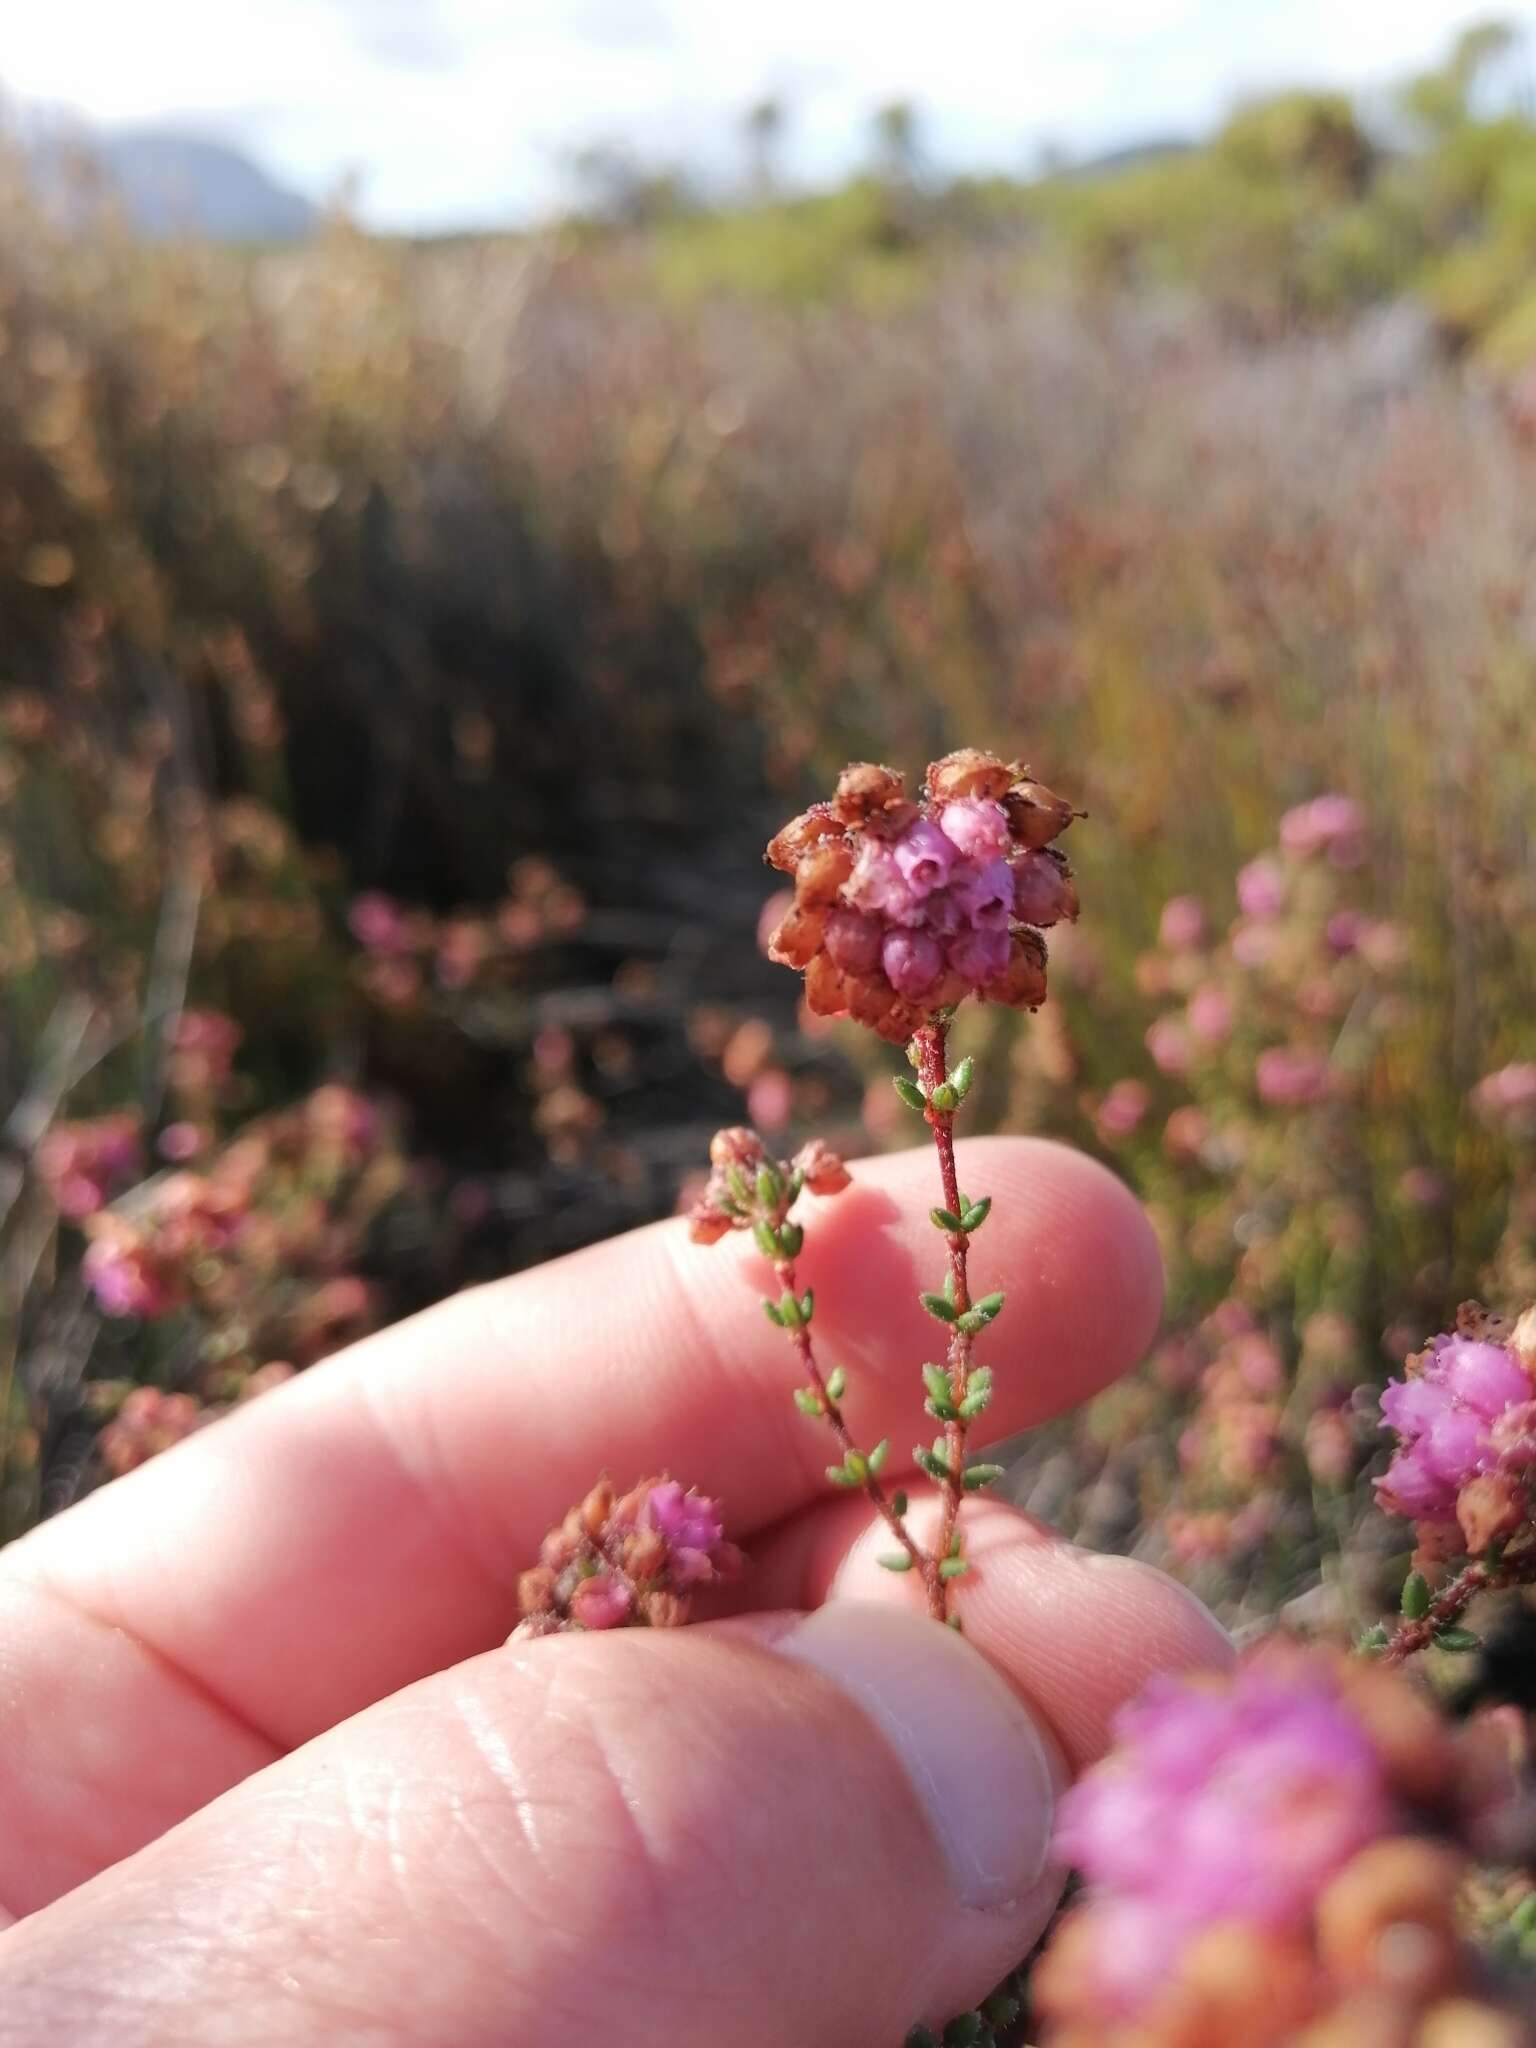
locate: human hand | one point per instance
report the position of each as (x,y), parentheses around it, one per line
(267,1777)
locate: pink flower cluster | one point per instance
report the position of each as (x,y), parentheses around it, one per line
(1464,1414)
(1237,1802)
(902,908)
(143,1265)
(84,1164)
(1269,1858)
(632,1561)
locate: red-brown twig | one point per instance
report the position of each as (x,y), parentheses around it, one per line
(1514,1568)
(932,1071)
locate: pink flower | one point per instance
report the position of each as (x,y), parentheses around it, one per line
(1168,1042)
(126,1280)
(770,1099)
(1219,1803)
(1123,1110)
(979,956)
(1042,889)
(378,924)
(1333,825)
(1508,1096)
(1182,927)
(1209,1014)
(976,826)
(912,962)
(693,1528)
(1261,888)
(853,941)
(601,1602)
(1290,1077)
(878,884)
(925,856)
(1444,1415)
(985,895)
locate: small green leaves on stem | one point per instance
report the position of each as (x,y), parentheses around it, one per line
(941,1401)
(1373,1641)
(940,1306)
(953,1567)
(770,1187)
(837,1383)
(947,1221)
(935,1462)
(978,1476)
(896,1561)
(788,1313)
(853,1471)
(980,1313)
(978,1392)
(767,1239)
(879,1454)
(960,1080)
(791,1238)
(909,1092)
(1416,1596)
(944,1100)
(1457,1640)
(976,1214)
(810,1403)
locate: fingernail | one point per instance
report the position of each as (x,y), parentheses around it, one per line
(975,1758)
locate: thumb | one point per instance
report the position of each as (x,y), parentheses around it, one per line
(811,1829)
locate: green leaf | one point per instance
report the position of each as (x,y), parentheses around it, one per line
(960,1080)
(1373,1641)
(770,1188)
(1457,1640)
(807,1305)
(949,1286)
(946,1220)
(936,1305)
(837,1383)
(879,1454)
(989,1307)
(736,1180)
(1417,1598)
(846,1474)
(809,1402)
(767,1238)
(909,1092)
(977,1476)
(895,1561)
(899,1503)
(976,1214)
(954,1567)
(774,1313)
(944,1099)
(791,1237)
(789,1316)
(936,1468)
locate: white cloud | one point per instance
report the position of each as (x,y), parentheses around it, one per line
(459,110)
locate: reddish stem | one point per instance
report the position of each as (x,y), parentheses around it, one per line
(932,1042)
(1454,1599)
(879,1499)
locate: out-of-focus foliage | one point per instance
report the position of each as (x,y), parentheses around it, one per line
(406,651)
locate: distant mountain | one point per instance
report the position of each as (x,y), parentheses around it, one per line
(173,183)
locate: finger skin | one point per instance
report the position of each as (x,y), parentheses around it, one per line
(664,1839)
(365,1525)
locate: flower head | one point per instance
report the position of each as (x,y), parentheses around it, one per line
(903,908)
(1461,1414)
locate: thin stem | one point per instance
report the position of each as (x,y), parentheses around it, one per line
(880,1500)
(933,1052)
(1518,1569)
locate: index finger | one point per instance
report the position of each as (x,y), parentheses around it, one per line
(365,1525)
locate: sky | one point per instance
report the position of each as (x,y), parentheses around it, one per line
(454,113)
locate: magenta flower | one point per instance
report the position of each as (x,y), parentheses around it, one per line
(601,1602)
(980,955)
(853,941)
(125,1280)
(913,962)
(879,886)
(984,895)
(1209,1014)
(977,827)
(1123,1110)
(925,856)
(378,924)
(1232,1803)
(1168,1042)
(693,1528)
(1444,1415)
